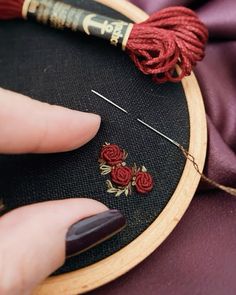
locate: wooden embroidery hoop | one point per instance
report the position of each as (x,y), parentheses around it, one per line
(110,268)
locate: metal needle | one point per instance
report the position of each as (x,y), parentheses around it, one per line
(111,102)
(139,120)
(158,132)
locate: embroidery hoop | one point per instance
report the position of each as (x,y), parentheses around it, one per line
(110,268)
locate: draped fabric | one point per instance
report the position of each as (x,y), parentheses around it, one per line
(199,257)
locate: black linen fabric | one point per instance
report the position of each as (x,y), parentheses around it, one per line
(61,68)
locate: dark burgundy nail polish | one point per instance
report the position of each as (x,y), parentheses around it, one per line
(93,230)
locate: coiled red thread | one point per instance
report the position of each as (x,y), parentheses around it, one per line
(171,38)
(168,38)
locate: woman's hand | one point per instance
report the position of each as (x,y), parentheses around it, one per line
(35,238)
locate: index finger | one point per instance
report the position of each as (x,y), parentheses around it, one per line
(30,126)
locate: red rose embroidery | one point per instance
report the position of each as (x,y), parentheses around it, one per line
(112,154)
(144,182)
(122,178)
(121,175)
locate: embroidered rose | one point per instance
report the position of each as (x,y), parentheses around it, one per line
(121,175)
(112,154)
(144,182)
(122,178)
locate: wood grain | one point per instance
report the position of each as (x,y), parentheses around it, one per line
(108,269)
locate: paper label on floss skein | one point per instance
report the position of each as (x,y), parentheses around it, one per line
(60,15)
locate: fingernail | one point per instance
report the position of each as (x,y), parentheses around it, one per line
(93,230)
(88,115)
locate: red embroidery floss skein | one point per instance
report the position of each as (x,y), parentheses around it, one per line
(170,38)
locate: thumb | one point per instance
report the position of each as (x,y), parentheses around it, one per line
(35,239)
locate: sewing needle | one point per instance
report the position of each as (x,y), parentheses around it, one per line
(139,120)
(187,155)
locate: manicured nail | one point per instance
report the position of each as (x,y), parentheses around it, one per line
(93,230)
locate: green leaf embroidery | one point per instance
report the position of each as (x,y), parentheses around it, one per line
(143,169)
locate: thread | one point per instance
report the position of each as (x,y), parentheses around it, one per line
(10,9)
(187,155)
(227,189)
(171,38)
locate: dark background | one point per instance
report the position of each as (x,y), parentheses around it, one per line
(62,68)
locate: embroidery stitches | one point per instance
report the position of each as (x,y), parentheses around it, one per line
(122,177)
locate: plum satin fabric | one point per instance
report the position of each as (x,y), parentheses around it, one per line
(199,257)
